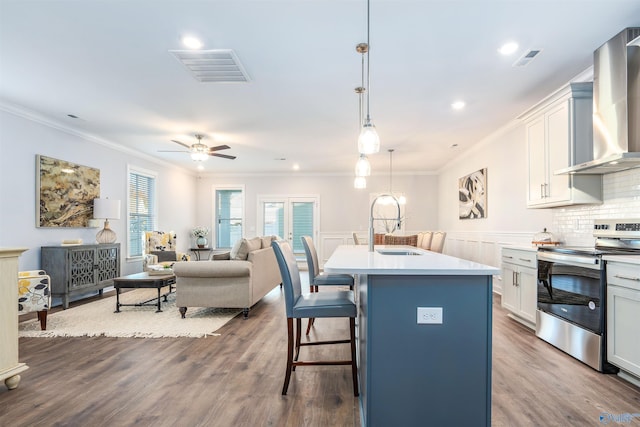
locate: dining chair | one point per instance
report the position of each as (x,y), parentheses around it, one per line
(316,278)
(338,303)
(425,242)
(437,241)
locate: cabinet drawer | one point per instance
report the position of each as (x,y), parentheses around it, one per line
(520,257)
(626,275)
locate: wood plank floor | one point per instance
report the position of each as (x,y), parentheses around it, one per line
(235,380)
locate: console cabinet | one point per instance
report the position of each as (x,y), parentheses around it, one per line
(559,134)
(80,269)
(519,284)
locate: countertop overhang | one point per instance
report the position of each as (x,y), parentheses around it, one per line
(356,259)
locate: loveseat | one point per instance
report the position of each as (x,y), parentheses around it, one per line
(239,282)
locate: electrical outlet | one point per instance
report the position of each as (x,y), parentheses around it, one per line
(430,315)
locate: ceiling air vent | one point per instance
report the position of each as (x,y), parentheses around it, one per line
(527,57)
(219,65)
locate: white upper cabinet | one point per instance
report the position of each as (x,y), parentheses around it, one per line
(559,134)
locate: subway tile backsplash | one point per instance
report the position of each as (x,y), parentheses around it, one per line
(621,199)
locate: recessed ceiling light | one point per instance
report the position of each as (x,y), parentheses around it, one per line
(200,167)
(296,166)
(458,105)
(508,48)
(191,42)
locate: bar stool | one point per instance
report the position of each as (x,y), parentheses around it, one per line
(321,279)
(318,304)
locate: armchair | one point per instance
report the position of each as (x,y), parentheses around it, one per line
(160,248)
(34,294)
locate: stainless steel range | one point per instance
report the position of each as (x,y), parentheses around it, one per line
(572,291)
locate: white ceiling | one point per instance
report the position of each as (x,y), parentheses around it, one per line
(108,63)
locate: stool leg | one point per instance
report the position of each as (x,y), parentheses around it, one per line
(312,289)
(298,333)
(287,375)
(354,365)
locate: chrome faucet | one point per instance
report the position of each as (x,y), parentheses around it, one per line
(371,218)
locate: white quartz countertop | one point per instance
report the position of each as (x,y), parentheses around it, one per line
(356,259)
(631,259)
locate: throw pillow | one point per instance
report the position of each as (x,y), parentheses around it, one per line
(266,241)
(234,250)
(164,256)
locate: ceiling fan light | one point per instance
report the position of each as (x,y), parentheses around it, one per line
(199,156)
(368,141)
(363,167)
(360,182)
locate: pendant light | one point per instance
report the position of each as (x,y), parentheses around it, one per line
(368,141)
(363,167)
(360,182)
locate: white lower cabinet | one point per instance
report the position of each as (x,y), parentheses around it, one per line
(519,284)
(623,316)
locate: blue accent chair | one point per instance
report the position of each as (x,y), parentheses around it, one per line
(316,278)
(319,304)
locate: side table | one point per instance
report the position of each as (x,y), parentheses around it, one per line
(196,252)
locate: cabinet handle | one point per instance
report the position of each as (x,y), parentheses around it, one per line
(517,279)
(635,279)
(507,256)
(542,191)
(525,259)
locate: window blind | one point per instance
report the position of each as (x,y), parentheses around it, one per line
(141,207)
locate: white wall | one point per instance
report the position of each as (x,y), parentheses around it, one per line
(22,138)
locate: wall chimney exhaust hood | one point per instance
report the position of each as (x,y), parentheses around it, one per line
(616,107)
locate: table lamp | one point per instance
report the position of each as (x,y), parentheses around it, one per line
(106,209)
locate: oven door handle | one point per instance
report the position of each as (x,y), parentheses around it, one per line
(569,258)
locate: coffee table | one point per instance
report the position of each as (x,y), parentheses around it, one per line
(144,280)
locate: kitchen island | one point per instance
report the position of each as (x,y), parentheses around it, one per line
(424,335)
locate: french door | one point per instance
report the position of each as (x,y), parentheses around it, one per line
(290,218)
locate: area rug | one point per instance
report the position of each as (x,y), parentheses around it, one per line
(98,319)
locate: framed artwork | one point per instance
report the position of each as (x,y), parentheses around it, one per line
(65,193)
(472,195)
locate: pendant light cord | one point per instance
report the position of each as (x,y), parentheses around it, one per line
(391,171)
(368,58)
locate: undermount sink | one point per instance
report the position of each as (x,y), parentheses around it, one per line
(397,252)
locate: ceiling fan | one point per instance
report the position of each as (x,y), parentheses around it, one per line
(199,151)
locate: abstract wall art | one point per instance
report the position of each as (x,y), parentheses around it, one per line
(472,195)
(65,193)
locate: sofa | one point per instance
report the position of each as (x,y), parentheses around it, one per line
(238,282)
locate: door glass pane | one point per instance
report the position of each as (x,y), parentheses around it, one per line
(302,224)
(228,217)
(273,219)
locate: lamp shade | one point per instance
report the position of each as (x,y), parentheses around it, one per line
(363,167)
(360,182)
(368,141)
(199,156)
(106,209)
